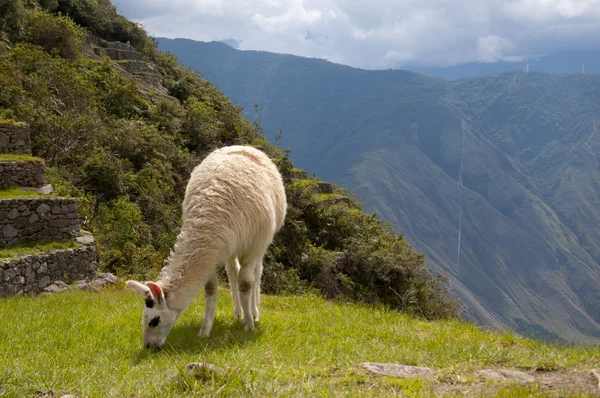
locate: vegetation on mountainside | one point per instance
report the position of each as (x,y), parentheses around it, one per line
(125,150)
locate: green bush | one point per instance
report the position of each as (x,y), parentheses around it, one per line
(54,33)
(11,15)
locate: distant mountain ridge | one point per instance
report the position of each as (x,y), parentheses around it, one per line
(563,62)
(530,253)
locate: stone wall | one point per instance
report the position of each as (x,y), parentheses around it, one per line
(37,219)
(31,274)
(21,174)
(14,139)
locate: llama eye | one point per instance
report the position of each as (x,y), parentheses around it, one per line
(154,322)
(149,303)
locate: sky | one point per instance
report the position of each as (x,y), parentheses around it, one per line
(380,34)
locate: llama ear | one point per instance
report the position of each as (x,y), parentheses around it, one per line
(157,292)
(142,289)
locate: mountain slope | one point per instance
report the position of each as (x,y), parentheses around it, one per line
(528,259)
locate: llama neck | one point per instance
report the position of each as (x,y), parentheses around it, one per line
(188,268)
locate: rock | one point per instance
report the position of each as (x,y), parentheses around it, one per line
(45,281)
(33,219)
(397,370)
(86,240)
(45,189)
(3,140)
(43,268)
(596,374)
(55,288)
(84,285)
(325,187)
(9,231)
(506,375)
(14,213)
(61,284)
(299,174)
(103,280)
(39,179)
(43,209)
(201,370)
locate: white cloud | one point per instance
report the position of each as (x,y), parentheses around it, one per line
(379,33)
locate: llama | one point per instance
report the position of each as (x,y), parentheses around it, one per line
(234,204)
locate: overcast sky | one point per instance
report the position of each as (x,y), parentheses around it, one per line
(377,34)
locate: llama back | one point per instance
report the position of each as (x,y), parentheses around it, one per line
(234,203)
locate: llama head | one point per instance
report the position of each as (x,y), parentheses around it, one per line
(157,317)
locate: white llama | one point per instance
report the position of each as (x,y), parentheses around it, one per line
(234,204)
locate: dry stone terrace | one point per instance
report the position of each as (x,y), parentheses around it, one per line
(14,138)
(37,219)
(34,220)
(21,174)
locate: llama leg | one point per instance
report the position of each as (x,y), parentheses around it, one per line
(210,297)
(256,291)
(233,268)
(245,287)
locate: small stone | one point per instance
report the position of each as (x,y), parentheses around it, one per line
(55,209)
(14,213)
(596,374)
(9,231)
(201,370)
(86,240)
(43,268)
(4,139)
(103,280)
(45,281)
(33,219)
(43,209)
(506,375)
(54,288)
(397,370)
(39,179)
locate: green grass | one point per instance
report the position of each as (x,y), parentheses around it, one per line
(28,248)
(89,344)
(12,122)
(13,157)
(16,192)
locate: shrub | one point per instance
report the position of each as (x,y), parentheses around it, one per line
(54,33)
(11,15)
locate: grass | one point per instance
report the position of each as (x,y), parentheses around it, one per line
(13,157)
(12,122)
(16,192)
(89,344)
(28,248)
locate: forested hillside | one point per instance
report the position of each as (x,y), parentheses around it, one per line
(122,124)
(529,254)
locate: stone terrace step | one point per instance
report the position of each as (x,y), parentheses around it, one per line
(14,138)
(22,174)
(32,273)
(117,54)
(37,219)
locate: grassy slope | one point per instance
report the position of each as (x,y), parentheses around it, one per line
(90,344)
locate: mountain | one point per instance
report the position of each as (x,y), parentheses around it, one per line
(524,146)
(566,62)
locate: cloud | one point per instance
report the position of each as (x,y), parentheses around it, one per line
(379,33)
